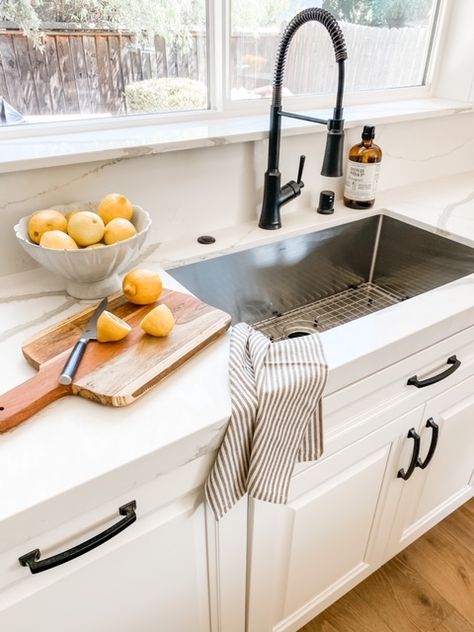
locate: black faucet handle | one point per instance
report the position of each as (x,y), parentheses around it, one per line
(300,170)
(292,189)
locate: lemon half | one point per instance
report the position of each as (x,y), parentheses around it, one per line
(159,321)
(111,328)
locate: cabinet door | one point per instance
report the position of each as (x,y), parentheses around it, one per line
(306,554)
(447,480)
(152,576)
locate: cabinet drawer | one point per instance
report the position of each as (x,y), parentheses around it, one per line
(151,499)
(136,581)
(363,406)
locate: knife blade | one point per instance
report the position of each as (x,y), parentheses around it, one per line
(89,333)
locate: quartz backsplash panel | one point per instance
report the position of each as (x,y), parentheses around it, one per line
(196,191)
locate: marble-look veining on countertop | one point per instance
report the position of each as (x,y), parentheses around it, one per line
(59,310)
(410,155)
(448,212)
(54,187)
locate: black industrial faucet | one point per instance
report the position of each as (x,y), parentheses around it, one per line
(274,195)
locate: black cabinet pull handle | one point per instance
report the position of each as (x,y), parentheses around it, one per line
(36,565)
(434,442)
(414,457)
(453,361)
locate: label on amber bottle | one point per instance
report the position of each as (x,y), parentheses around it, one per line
(361,180)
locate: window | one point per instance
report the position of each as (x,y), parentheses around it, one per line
(387,42)
(100,58)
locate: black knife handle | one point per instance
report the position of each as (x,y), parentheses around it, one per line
(70,368)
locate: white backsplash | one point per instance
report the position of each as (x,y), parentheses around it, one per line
(196,191)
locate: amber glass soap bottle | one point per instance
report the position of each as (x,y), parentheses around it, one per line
(363,169)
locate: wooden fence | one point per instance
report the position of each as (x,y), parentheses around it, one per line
(378,58)
(87,71)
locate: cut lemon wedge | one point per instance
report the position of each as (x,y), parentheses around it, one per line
(111,328)
(159,321)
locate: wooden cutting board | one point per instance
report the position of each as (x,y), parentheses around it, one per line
(114,373)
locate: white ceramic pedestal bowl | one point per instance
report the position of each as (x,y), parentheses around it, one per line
(89,272)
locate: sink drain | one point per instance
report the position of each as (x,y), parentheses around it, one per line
(300,328)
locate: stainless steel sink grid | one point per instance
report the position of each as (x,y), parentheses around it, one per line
(327,278)
(328,312)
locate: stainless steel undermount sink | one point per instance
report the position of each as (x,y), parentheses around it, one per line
(323,279)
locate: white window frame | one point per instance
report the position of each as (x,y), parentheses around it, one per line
(220,104)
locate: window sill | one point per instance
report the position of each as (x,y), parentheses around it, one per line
(34,152)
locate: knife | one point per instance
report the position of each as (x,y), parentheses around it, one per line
(89,333)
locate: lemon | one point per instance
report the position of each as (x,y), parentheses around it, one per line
(58,240)
(70,214)
(115,205)
(111,328)
(142,287)
(159,322)
(95,246)
(86,228)
(118,229)
(43,221)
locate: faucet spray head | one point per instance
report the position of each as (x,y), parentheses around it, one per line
(332,163)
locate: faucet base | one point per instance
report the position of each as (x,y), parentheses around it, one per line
(267,226)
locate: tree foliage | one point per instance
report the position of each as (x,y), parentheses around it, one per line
(172,19)
(248,15)
(169,18)
(379,12)
(21,12)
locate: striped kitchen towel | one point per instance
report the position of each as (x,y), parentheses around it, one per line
(276,417)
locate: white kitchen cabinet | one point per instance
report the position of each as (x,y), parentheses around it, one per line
(349,513)
(151,577)
(159,573)
(307,553)
(447,481)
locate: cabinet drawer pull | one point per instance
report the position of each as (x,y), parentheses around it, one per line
(453,361)
(434,442)
(414,457)
(36,565)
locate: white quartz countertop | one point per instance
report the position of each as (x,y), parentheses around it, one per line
(75,443)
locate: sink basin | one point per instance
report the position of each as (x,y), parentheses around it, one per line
(320,280)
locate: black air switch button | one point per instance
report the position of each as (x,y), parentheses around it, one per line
(326,203)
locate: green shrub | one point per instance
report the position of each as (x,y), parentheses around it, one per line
(171,93)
